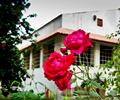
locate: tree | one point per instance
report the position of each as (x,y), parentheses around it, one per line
(13,29)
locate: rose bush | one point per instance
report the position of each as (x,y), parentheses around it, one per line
(77,41)
(57,66)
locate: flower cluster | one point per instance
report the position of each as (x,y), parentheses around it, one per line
(56,69)
(57,66)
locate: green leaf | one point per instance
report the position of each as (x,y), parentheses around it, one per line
(33,15)
(112,93)
(31,29)
(96,85)
(81,92)
(73,80)
(27,5)
(116,98)
(94,94)
(15,82)
(66,97)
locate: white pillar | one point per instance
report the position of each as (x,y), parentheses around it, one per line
(58,45)
(30,61)
(41,57)
(97,55)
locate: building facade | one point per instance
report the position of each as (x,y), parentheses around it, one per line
(50,38)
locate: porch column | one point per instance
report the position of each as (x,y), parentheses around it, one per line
(97,55)
(58,45)
(41,58)
(30,61)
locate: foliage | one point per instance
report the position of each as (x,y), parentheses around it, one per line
(114,75)
(113,66)
(24,96)
(13,29)
(11,68)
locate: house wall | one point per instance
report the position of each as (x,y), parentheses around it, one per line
(50,26)
(84,20)
(74,21)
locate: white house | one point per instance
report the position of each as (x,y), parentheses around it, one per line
(51,35)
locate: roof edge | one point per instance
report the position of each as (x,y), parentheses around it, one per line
(65,31)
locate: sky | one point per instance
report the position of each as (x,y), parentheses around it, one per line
(46,10)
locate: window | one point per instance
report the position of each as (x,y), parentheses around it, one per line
(47,49)
(86,58)
(26,57)
(36,58)
(99,22)
(105,53)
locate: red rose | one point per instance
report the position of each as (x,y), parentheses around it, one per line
(56,65)
(64,82)
(77,41)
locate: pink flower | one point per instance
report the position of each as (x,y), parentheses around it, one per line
(77,41)
(56,65)
(64,82)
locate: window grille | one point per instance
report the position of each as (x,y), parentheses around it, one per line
(47,49)
(105,53)
(36,58)
(26,57)
(85,58)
